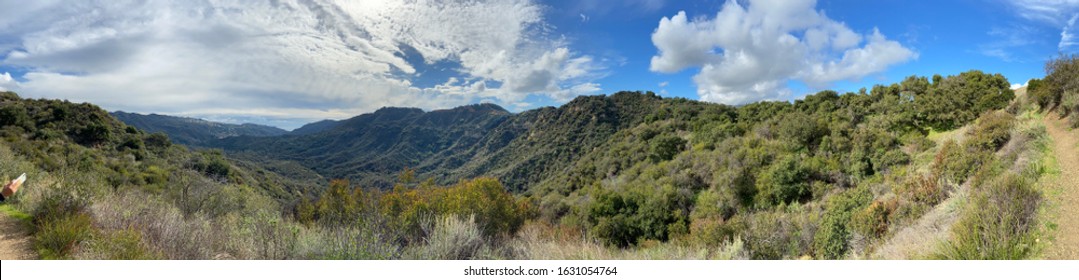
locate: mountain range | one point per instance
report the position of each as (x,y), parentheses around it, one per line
(192,131)
(449,145)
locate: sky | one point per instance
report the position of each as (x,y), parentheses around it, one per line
(289,62)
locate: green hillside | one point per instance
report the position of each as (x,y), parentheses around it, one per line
(629,175)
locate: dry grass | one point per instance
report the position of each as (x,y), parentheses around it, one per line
(920,238)
(541,241)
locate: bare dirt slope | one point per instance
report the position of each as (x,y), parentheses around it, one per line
(14,240)
(1066,243)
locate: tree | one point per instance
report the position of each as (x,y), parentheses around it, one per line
(957,100)
(665,147)
(785,181)
(1062,85)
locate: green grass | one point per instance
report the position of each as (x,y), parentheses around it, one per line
(10,211)
(59,238)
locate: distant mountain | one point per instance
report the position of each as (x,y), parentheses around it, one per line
(120,155)
(464,142)
(191,131)
(372,148)
(315,127)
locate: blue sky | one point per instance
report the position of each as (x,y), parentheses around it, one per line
(286,63)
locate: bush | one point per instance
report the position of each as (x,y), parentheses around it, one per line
(1040,93)
(1070,102)
(665,147)
(955,163)
(452,238)
(780,234)
(213,164)
(125,244)
(61,224)
(93,134)
(991,131)
(924,189)
(157,140)
(956,100)
(784,182)
(14,115)
(873,221)
(1062,80)
(801,129)
(60,237)
(833,238)
(997,222)
(640,213)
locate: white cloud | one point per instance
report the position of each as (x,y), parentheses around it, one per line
(1068,39)
(297,56)
(1056,13)
(750,53)
(7,83)
(1017,86)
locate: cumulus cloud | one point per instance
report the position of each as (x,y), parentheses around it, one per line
(7,83)
(749,53)
(311,58)
(1018,86)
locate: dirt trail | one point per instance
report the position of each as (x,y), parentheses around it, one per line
(14,241)
(1066,245)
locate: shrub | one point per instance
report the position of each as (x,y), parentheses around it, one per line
(495,210)
(1040,93)
(60,237)
(92,134)
(1062,80)
(955,163)
(157,140)
(833,238)
(625,218)
(924,189)
(784,182)
(452,238)
(14,115)
(665,147)
(61,223)
(801,129)
(991,131)
(1070,102)
(873,221)
(997,222)
(780,234)
(126,244)
(956,100)
(611,214)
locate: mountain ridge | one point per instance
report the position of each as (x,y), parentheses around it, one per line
(193,131)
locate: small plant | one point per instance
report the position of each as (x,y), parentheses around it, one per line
(60,237)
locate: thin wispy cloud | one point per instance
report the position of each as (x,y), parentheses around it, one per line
(1059,14)
(1069,41)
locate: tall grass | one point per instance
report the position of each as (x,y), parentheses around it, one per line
(999,219)
(997,223)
